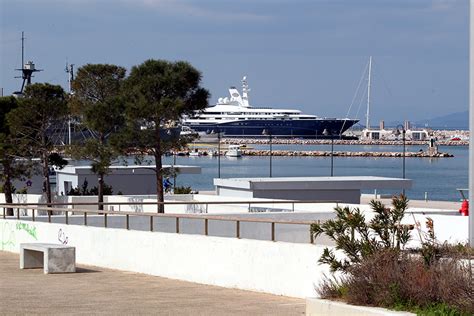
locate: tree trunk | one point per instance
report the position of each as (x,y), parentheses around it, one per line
(47,185)
(7,186)
(158,170)
(101,191)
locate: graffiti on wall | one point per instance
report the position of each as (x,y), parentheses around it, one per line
(7,234)
(28,228)
(62,238)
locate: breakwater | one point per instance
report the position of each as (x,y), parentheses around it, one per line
(315,153)
(291,153)
(283,141)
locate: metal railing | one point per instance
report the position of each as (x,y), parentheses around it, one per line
(171,203)
(36,207)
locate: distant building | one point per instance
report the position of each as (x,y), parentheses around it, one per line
(391,134)
(131,180)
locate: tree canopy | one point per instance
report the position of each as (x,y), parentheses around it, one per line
(100,108)
(158,94)
(34,121)
(10,167)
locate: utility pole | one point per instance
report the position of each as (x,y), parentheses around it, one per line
(70,71)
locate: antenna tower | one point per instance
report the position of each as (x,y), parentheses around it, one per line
(27,69)
(70,71)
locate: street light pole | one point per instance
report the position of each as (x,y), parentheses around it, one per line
(271,153)
(213,132)
(174,170)
(403,133)
(219,154)
(269,133)
(327,133)
(332,156)
(404,153)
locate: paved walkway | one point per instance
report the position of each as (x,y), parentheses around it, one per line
(101,291)
(442,205)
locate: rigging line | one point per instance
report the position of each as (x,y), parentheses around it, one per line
(384,81)
(362,99)
(354,97)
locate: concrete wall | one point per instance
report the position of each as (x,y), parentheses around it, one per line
(140,183)
(130,180)
(346,196)
(448,227)
(272,267)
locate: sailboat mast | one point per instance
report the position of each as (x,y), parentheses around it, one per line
(367,123)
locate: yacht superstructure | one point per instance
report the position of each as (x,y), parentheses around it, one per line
(234,116)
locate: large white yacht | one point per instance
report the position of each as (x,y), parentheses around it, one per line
(234,116)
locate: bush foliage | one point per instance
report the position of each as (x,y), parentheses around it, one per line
(182,190)
(359,239)
(377,270)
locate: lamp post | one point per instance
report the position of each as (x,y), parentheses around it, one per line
(327,133)
(401,130)
(218,152)
(269,133)
(174,171)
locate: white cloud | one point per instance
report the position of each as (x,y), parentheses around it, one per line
(180,7)
(442,5)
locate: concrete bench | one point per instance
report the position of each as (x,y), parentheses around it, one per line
(54,258)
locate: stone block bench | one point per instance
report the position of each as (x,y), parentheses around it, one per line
(53,258)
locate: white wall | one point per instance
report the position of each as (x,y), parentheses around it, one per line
(451,228)
(272,267)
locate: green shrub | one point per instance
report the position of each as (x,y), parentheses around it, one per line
(377,271)
(84,190)
(359,239)
(182,190)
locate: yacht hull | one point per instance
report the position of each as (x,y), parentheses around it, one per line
(279,128)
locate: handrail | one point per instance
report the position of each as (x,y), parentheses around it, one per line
(178,202)
(177,217)
(170,215)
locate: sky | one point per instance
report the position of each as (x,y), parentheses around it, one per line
(302,54)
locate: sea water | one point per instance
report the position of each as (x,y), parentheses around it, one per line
(436,178)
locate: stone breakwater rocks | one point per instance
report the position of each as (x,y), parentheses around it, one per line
(263,141)
(290,153)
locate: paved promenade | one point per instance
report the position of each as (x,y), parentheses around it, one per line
(442,205)
(101,291)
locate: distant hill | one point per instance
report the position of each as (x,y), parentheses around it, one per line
(458,120)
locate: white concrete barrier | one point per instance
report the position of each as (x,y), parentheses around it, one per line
(272,267)
(319,307)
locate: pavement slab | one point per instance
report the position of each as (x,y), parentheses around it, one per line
(99,291)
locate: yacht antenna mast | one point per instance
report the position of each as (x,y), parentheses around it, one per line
(245,92)
(367,122)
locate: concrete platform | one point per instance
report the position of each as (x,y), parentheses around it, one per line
(344,189)
(100,291)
